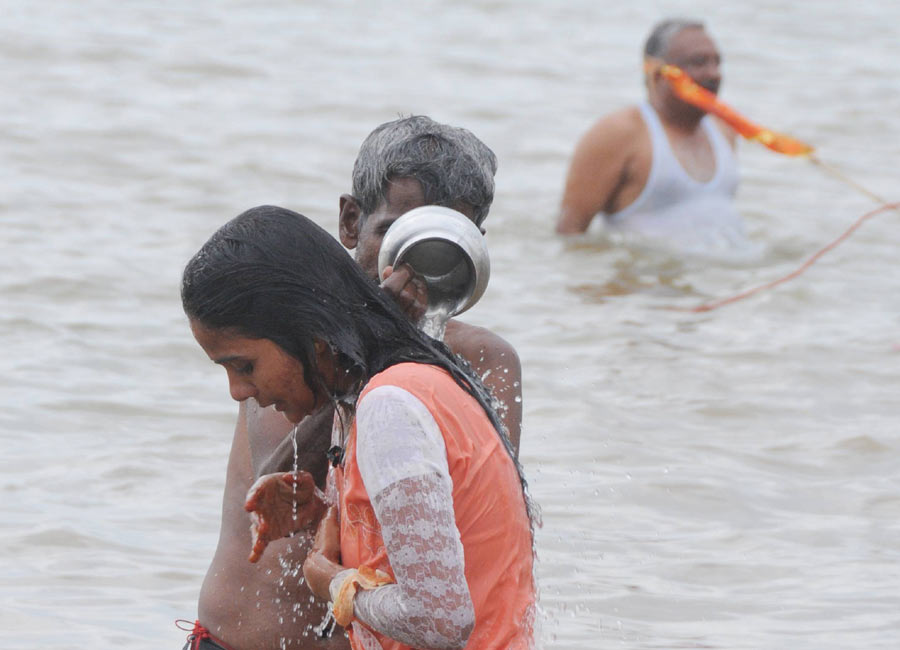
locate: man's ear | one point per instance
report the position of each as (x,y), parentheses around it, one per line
(350,221)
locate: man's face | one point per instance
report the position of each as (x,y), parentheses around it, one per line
(366,234)
(694,51)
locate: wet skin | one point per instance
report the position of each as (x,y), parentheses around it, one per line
(255,606)
(282,505)
(260,369)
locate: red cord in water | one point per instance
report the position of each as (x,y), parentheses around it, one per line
(709,306)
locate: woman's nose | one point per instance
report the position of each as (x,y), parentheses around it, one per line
(240,388)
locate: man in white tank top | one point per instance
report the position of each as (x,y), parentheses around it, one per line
(663,171)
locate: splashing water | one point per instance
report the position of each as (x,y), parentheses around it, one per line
(293,435)
(291,578)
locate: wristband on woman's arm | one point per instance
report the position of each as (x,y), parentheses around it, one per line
(343,588)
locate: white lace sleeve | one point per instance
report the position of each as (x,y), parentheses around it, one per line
(403,463)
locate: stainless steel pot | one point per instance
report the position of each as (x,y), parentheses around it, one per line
(446,249)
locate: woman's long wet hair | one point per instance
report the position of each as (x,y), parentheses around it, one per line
(271,273)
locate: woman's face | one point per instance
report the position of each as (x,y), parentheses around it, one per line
(260,369)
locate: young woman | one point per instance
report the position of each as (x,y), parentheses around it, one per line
(430,498)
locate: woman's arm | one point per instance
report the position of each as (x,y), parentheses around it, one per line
(403,463)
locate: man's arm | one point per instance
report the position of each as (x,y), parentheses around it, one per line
(599,170)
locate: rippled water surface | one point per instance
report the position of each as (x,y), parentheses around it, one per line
(719,480)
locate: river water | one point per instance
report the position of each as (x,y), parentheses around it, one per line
(718,480)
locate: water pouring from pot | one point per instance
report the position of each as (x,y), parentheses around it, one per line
(447,250)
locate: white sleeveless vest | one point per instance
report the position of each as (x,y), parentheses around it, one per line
(677,209)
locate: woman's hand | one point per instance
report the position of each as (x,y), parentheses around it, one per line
(407,289)
(281,505)
(323,561)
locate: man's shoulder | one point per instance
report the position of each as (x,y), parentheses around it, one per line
(627,120)
(472,342)
(614,129)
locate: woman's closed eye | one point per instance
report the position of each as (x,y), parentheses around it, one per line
(244,368)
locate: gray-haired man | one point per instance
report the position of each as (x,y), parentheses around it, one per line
(663,170)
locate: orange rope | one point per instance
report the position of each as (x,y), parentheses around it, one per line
(709,306)
(689,91)
(692,93)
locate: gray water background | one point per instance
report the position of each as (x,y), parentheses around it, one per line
(718,480)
